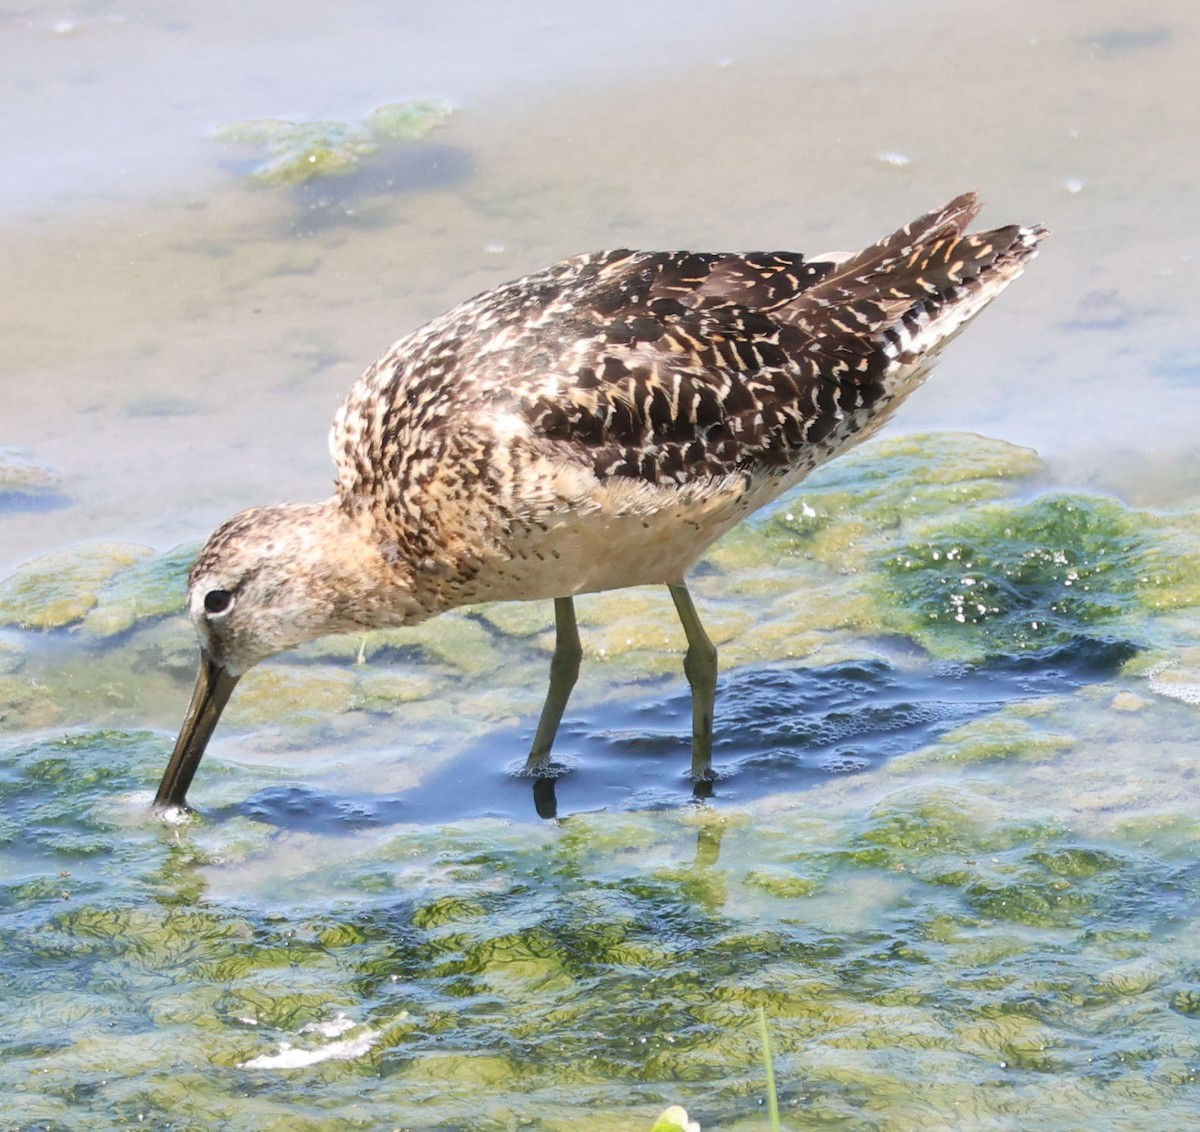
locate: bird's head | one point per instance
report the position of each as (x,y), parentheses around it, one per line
(270,579)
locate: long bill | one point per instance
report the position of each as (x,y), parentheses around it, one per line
(214,685)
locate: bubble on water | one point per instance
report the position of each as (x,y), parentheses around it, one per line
(172,815)
(844,762)
(1164,680)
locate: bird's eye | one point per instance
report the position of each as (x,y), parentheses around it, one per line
(217,601)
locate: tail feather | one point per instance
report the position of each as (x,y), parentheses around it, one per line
(963,277)
(944,223)
(927,279)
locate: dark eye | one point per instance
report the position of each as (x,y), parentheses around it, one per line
(217,601)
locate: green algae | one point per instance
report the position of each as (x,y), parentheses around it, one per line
(995,928)
(300,151)
(148,589)
(836,516)
(407,121)
(454,641)
(21,477)
(1006,737)
(305,696)
(387,691)
(60,588)
(26,704)
(915,537)
(1012,578)
(813,566)
(576,970)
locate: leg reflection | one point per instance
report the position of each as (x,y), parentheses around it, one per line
(545,801)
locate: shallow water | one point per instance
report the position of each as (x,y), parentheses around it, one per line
(953,849)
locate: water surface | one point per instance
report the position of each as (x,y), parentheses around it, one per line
(953,849)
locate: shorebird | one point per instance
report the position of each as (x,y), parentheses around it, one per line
(592,426)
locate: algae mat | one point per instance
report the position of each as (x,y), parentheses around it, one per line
(953,855)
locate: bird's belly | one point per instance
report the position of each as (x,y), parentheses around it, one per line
(628,551)
(623,533)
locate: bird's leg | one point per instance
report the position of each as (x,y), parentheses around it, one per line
(564,671)
(700,667)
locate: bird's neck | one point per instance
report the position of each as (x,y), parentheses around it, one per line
(365,580)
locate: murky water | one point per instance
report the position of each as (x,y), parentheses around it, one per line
(953,851)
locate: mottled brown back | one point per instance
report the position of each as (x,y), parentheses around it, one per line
(669,367)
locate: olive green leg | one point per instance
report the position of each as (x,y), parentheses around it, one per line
(700,667)
(564,671)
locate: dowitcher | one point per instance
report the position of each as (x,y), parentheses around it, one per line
(592,426)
